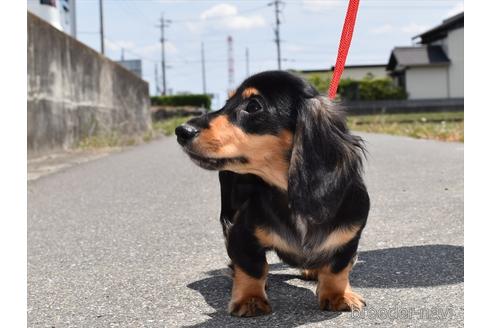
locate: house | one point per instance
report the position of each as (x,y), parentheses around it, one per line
(59,13)
(354,72)
(434,68)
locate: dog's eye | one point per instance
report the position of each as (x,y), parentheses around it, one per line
(253,106)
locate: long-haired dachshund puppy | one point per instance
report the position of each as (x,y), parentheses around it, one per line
(290,178)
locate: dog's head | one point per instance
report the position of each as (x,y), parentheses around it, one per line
(276,126)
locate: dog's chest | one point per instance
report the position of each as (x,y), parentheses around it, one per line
(296,239)
(299,243)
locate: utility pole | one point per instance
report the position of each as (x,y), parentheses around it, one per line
(204,79)
(122,54)
(162,26)
(277,3)
(156,73)
(230,61)
(101,25)
(247,62)
(73,19)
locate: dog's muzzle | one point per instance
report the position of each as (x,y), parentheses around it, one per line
(185,133)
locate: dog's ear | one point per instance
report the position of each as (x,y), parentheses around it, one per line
(325,160)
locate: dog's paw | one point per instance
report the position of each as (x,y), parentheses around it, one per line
(309,274)
(250,307)
(349,301)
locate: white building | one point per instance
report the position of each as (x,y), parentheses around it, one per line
(59,13)
(435,67)
(133,65)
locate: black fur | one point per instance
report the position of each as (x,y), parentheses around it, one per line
(325,187)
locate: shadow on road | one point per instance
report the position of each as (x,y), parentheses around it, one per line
(408,267)
(403,267)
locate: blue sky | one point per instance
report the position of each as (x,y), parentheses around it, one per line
(310,31)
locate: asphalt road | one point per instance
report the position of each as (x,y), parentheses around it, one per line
(133,240)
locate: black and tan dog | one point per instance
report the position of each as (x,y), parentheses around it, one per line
(290,177)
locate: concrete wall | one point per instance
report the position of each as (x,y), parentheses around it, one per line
(427,82)
(364,107)
(74,92)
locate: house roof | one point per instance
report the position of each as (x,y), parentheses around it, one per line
(441,31)
(417,56)
(346,67)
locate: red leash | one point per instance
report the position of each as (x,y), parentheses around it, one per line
(343,48)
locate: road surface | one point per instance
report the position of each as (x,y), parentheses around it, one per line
(133,240)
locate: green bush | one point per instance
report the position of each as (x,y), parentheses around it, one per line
(321,83)
(198,100)
(374,89)
(368,88)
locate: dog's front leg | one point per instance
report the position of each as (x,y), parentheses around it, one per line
(334,291)
(250,273)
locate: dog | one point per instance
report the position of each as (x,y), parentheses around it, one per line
(290,176)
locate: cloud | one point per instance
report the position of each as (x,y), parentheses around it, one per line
(220,10)
(244,23)
(414,28)
(383,29)
(316,5)
(118,45)
(193,27)
(144,51)
(156,47)
(457,8)
(294,48)
(226,16)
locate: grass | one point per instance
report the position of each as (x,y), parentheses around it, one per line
(110,140)
(166,127)
(116,140)
(446,126)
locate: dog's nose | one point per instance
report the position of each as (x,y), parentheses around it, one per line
(185,132)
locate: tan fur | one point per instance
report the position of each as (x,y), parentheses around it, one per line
(338,238)
(334,240)
(310,274)
(248,294)
(266,154)
(334,291)
(271,239)
(248,92)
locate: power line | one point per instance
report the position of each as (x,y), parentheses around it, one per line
(217,61)
(138,11)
